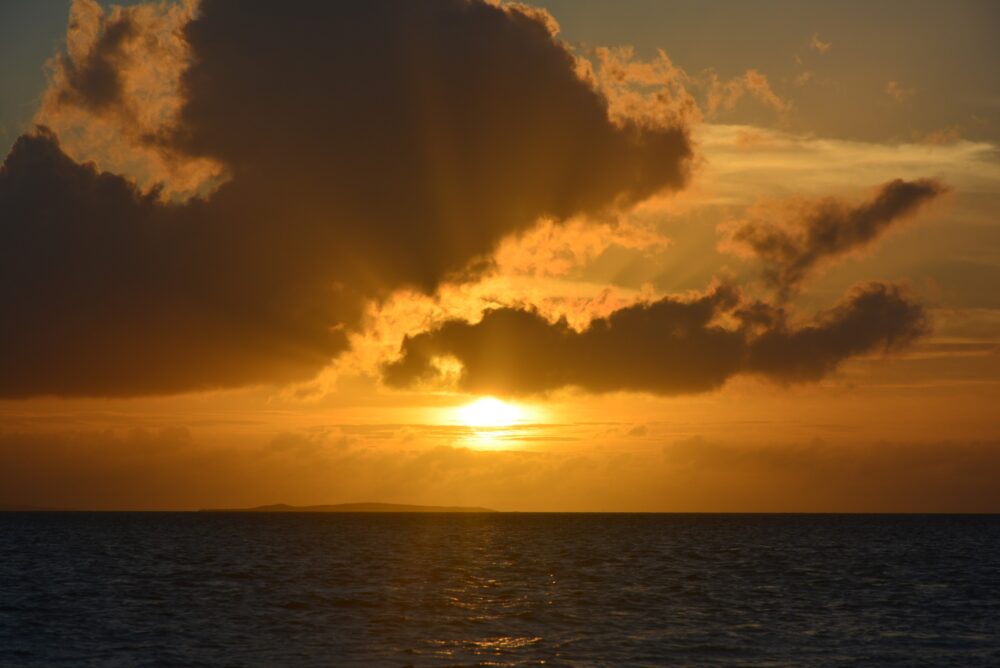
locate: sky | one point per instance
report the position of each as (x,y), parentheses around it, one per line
(559,256)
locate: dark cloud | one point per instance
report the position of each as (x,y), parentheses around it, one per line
(107,292)
(427,130)
(823,230)
(665,347)
(371,146)
(874,318)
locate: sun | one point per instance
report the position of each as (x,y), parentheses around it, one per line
(489,412)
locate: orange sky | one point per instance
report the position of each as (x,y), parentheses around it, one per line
(236,271)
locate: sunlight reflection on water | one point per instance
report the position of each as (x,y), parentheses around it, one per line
(498,589)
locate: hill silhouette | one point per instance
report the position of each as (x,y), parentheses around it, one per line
(354,508)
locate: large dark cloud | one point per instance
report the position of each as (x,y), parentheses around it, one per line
(829,228)
(426,129)
(105,291)
(370,145)
(665,347)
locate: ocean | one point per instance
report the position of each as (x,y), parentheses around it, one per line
(241,589)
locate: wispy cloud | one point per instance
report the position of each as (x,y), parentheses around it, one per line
(818,44)
(897,92)
(793,238)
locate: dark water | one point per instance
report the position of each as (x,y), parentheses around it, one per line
(166,589)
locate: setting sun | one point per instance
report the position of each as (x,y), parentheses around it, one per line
(489,412)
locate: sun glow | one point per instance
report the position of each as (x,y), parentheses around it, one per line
(489,412)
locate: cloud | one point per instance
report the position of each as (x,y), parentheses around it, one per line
(90,70)
(655,89)
(817,231)
(818,476)
(803,78)
(667,347)
(117,86)
(175,468)
(818,44)
(662,92)
(555,249)
(815,166)
(368,147)
(896,91)
(723,95)
(106,291)
(873,318)
(942,136)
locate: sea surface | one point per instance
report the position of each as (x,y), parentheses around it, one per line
(207,589)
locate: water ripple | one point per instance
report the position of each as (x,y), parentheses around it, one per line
(165,589)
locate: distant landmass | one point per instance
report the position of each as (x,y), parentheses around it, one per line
(23,508)
(353,508)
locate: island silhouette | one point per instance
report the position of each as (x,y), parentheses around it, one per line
(353,508)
